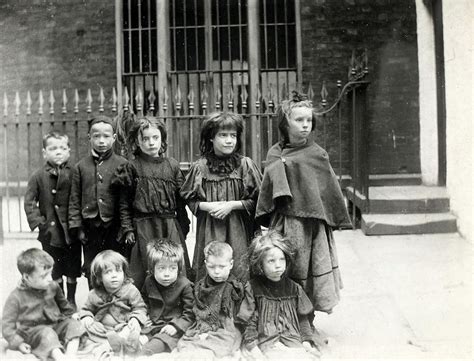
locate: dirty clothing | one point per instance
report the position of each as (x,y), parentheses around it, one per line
(150,205)
(301,198)
(276,312)
(213,179)
(40,318)
(171,305)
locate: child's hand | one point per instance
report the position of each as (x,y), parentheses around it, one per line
(81,236)
(169,330)
(130,238)
(24,348)
(134,325)
(312,350)
(97,328)
(87,321)
(222,209)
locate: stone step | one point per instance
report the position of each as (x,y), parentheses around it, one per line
(418,223)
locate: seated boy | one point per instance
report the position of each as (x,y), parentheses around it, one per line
(217,300)
(36,317)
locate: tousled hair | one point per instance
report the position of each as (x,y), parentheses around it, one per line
(137,131)
(28,261)
(104,259)
(285,108)
(262,244)
(220,121)
(218,249)
(164,249)
(55,135)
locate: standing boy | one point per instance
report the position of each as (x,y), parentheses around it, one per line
(36,317)
(46,207)
(93,205)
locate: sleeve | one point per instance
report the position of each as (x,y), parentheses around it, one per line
(186,319)
(138,306)
(252,183)
(33,213)
(247,319)
(182,214)
(304,308)
(63,304)
(191,190)
(90,307)
(75,216)
(124,181)
(10,316)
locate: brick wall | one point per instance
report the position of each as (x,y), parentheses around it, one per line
(387,28)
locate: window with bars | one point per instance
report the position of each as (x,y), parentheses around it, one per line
(205,50)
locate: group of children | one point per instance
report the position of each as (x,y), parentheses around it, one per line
(130,218)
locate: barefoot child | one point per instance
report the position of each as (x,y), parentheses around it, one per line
(169,297)
(114,311)
(36,317)
(221,189)
(279,309)
(301,198)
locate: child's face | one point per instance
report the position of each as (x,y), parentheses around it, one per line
(102,137)
(274,264)
(57,151)
(224,142)
(218,268)
(165,272)
(150,141)
(40,278)
(299,124)
(112,278)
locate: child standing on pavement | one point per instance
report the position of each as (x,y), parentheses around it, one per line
(36,316)
(169,297)
(150,205)
(221,189)
(114,311)
(93,204)
(46,207)
(301,198)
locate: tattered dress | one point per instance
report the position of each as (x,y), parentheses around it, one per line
(301,198)
(212,179)
(150,205)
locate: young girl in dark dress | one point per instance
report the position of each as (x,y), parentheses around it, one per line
(278,311)
(221,189)
(150,205)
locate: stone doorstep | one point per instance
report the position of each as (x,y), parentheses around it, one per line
(388,224)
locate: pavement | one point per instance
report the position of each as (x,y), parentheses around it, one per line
(404,297)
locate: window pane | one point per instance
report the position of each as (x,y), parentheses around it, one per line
(291,47)
(191,48)
(201,50)
(154,58)
(135,52)
(179,12)
(280,11)
(271,47)
(180,59)
(126,51)
(152,13)
(290,11)
(144,13)
(235,43)
(190,13)
(145,52)
(281,46)
(134,14)
(126,24)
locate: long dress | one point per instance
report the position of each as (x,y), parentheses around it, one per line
(150,205)
(213,179)
(301,198)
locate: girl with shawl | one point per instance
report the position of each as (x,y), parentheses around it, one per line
(221,189)
(301,198)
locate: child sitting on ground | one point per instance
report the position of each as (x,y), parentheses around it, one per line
(278,313)
(217,300)
(114,311)
(36,317)
(169,297)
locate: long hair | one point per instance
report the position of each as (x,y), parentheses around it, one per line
(139,126)
(262,244)
(106,259)
(220,121)
(284,111)
(164,249)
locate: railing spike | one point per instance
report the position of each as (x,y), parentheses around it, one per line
(28,103)
(165,99)
(89,101)
(101,100)
(258,96)
(324,94)
(126,99)
(204,97)
(5,104)
(177,98)
(51,102)
(64,107)
(218,98)
(244,96)
(40,102)
(151,101)
(230,95)
(17,103)
(191,98)
(76,101)
(114,100)
(139,100)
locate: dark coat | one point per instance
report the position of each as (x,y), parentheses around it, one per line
(27,307)
(91,191)
(169,305)
(46,203)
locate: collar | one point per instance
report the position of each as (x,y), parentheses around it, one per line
(149,158)
(53,168)
(223,165)
(99,157)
